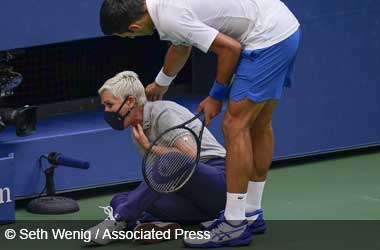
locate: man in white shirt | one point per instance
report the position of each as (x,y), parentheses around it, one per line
(254,40)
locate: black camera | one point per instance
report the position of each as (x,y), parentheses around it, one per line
(23,118)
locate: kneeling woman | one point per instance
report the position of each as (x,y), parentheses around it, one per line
(200,199)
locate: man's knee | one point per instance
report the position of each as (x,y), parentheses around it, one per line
(263,122)
(233,125)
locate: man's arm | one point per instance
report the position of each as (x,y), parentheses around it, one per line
(228,53)
(175,59)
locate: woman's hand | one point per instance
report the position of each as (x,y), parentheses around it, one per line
(138,134)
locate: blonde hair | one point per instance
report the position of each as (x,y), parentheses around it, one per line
(125,84)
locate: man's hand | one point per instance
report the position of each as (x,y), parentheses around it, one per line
(155,92)
(138,134)
(210,108)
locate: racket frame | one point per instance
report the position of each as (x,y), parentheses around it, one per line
(198,140)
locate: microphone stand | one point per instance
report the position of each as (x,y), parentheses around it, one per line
(51,204)
(49,181)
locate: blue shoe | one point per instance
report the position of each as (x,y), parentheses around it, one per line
(256,222)
(222,233)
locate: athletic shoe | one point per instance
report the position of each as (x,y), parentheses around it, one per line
(167,229)
(222,233)
(256,222)
(98,232)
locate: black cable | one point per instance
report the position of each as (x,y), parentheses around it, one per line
(43,171)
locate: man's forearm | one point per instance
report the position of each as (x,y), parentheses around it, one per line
(226,66)
(175,59)
(228,52)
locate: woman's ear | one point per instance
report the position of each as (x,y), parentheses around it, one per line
(131,102)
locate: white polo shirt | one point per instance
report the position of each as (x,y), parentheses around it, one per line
(255,24)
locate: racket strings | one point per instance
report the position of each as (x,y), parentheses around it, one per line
(172,162)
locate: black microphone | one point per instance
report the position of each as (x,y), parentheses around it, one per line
(58,159)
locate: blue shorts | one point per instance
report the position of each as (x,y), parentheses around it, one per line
(261,74)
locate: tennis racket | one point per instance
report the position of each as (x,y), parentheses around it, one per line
(172,157)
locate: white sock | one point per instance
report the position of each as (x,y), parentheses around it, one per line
(235,208)
(254,194)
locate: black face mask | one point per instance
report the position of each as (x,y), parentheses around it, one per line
(114,119)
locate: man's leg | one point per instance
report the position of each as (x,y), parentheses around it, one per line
(262,147)
(239,162)
(231,229)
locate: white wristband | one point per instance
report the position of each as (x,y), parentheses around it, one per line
(164,80)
